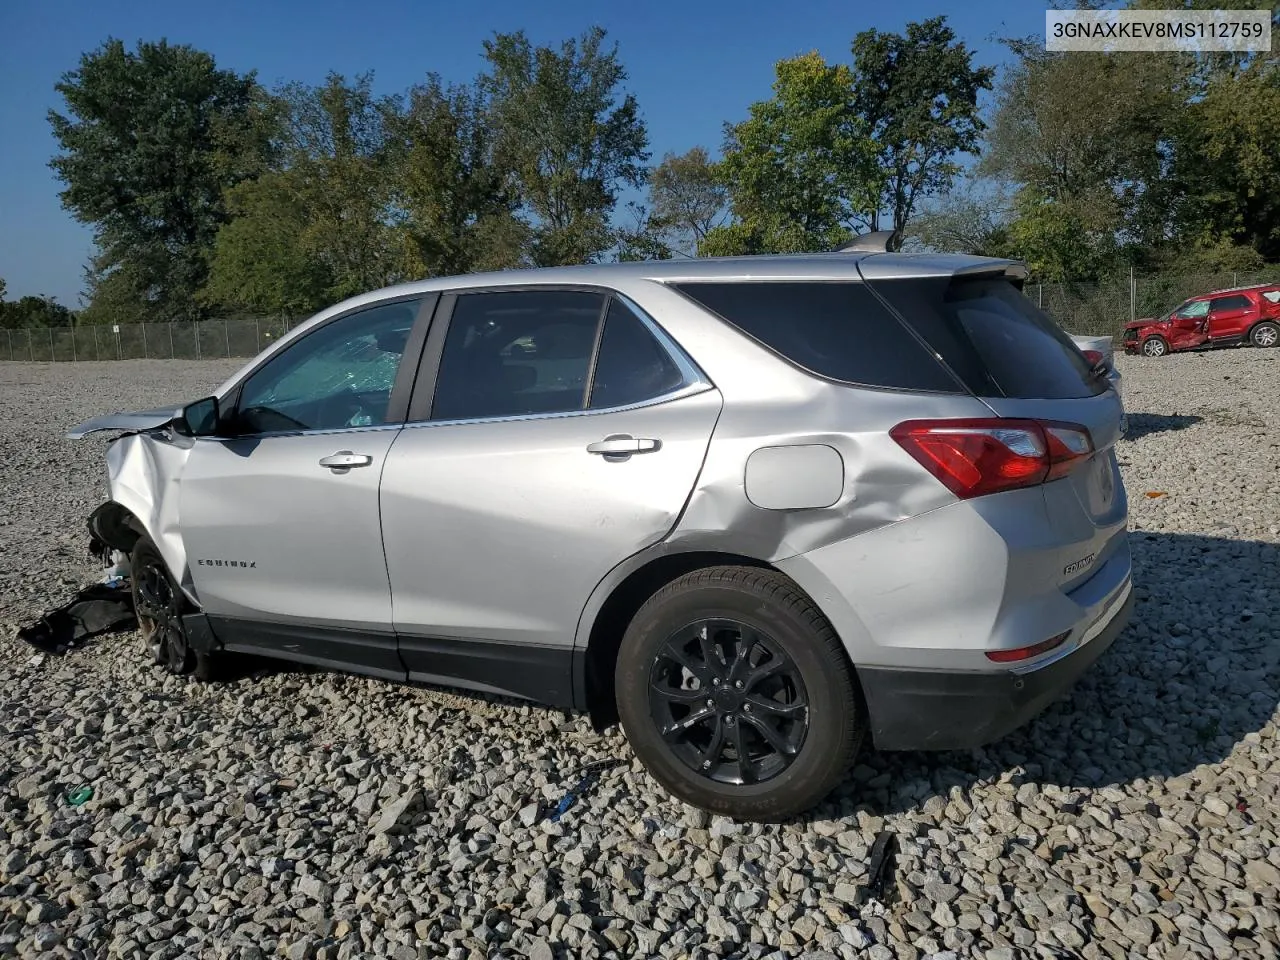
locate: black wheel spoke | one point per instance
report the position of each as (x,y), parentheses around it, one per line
(675,650)
(746,772)
(710,654)
(771,736)
(768,705)
(671,695)
(686,723)
(713,750)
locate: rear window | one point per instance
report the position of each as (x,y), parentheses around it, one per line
(994,338)
(837,329)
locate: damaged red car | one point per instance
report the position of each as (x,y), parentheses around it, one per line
(1218,319)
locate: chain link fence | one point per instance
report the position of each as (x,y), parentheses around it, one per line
(1089,309)
(200,340)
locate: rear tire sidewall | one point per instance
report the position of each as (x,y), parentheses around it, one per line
(1260,331)
(833,714)
(1155,347)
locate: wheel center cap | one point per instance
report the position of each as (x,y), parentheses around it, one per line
(728,699)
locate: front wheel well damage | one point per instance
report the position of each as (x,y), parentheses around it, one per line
(615,616)
(115,526)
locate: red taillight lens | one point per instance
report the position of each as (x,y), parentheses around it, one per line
(977,457)
(1026,653)
(1095,357)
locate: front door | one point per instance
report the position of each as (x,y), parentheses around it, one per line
(1188,326)
(280,517)
(565,434)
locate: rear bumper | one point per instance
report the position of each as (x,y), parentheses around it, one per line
(933,710)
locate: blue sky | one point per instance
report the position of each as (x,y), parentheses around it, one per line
(692,66)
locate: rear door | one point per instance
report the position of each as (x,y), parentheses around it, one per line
(1021,364)
(553,434)
(1230,317)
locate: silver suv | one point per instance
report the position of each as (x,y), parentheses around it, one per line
(761,510)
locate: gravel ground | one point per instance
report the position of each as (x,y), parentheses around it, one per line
(313,815)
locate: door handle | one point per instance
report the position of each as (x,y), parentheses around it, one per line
(623,445)
(345,460)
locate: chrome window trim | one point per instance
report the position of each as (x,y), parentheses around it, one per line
(688,390)
(368,428)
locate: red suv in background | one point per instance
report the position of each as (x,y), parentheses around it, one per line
(1221,318)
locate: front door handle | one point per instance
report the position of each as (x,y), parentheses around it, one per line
(344,460)
(623,445)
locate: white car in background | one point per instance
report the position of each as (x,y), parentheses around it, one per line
(1101,349)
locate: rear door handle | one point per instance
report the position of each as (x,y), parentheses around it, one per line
(623,445)
(345,460)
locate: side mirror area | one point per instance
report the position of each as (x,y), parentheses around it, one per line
(200,419)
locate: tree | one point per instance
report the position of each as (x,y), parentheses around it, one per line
(972,217)
(1227,141)
(918,96)
(336,149)
(262,260)
(799,169)
(27,312)
(459,214)
(149,141)
(687,199)
(568,139)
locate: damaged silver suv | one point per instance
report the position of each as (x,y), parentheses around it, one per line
(759,510)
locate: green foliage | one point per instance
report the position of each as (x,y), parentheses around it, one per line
(567,139)
(799,169)
(149,141)
(966,219)
(261,261)
(688,199)
(31,311)
(458,208)
(918,96)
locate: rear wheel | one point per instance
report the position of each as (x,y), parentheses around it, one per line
(736,694)
(160,604)
(1155,347)
(1265,334)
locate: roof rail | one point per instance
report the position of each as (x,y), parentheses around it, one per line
(875,242)
(1247,286)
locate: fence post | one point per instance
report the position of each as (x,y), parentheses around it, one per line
(195,325)
(74,355)
(145,355)
(172,354)
(51,355)
(1133,295)
(226,336)
(9,336)
(97,354)
(1040,295)
(257,337)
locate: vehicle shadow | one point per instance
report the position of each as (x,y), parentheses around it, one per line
(1142,424)
(1196,671)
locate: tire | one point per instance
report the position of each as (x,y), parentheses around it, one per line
(1265,334)
(795,683)
(1155,346)
(159,604)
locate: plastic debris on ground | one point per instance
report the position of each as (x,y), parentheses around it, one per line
(880,867)
(588,776)
(80,796)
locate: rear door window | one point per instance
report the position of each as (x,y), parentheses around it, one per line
(836,329)
(1234,302)
(994,338)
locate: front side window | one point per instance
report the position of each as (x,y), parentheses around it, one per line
(1194,311)
(339,376)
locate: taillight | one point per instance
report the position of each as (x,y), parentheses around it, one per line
(1095,357)
(977,457)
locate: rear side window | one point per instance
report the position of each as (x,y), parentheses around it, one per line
(631,366)
(994,338)
(838,330)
